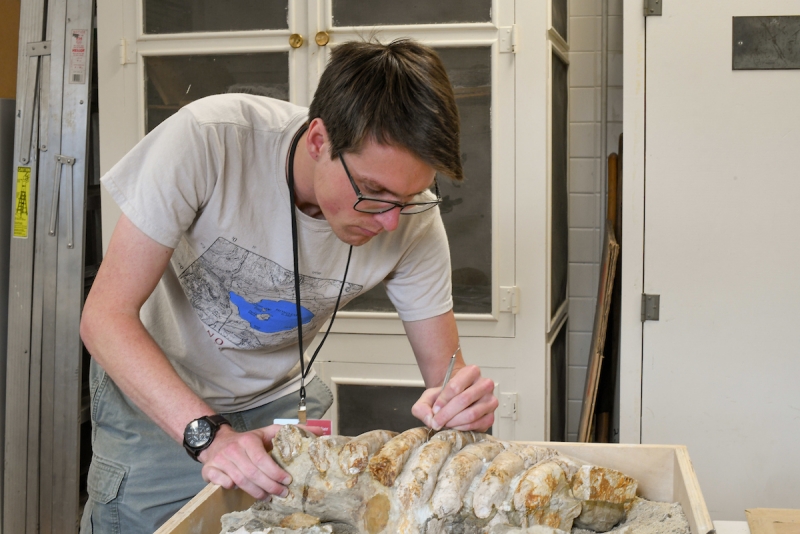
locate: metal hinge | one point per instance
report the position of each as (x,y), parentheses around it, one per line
(509,299)
(508,406)
(650,307)
(508,39)
(652,8)
(127,52)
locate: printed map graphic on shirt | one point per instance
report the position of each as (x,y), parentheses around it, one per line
(249,300)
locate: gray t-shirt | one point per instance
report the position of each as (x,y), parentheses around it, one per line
(210,182)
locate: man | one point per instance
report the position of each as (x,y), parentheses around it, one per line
(194,312)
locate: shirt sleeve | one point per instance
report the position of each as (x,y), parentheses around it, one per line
(162,183)
(421,287)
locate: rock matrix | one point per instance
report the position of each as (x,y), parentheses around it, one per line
(455,482)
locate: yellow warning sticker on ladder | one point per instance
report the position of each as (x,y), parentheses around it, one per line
(21,203)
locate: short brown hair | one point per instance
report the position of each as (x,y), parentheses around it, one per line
(395,94)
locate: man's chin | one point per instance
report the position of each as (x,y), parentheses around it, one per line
(352,238)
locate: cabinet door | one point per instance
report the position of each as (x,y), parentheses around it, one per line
(476,214)
(185,50)
(157,56)
(720,366)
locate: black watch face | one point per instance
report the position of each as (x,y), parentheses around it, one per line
(198,433)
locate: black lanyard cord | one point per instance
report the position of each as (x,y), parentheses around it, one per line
(296,256)
(335,309)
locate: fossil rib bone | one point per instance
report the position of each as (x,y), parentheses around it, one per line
(386,483)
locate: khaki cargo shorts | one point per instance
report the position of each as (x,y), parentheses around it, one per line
(139,477)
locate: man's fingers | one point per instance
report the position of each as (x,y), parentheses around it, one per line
(458,399)
(259,467)
(267,434)
(482,424)
(243,459)
(266,467)
(461,405)
(228,476)
(460,382)
(467,401)
(473,413)
(215,476)
(252,478)
(422,409)
(468,406)
(316,430)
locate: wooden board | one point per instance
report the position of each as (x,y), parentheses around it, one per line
(202,514)
(773,521)
(608,270)
(664,472)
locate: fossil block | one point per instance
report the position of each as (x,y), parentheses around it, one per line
(326,450)
(299,520)
(453,483)
(543,497)
(459,474)
(355,456)
(536,529)
(387,464)
(606,495)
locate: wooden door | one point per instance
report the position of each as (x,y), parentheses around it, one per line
(721,248)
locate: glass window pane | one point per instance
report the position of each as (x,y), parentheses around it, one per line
(174,81)
(560,197)
(358,412)
(467,207)
(371,13)
(183,16)
(560,17)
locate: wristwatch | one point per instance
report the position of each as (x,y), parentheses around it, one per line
(199,434)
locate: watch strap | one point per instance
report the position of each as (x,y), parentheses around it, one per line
(217,420)
(214,421)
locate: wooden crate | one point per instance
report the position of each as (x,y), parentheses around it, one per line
(664,472)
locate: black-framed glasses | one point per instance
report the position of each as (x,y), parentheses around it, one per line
(374,205)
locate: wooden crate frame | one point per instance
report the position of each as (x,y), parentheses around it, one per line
(664,472)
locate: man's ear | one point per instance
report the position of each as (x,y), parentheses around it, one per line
(317,140)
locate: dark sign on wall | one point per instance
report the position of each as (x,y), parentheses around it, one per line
(766,43)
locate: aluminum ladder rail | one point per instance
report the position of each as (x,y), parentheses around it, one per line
(43,401)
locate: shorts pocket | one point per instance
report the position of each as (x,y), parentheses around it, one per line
(323,397)
(97,390)
(104,480)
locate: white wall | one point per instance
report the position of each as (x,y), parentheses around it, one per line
(587,163)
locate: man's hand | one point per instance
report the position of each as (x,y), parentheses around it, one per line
(241,459)
(467,402)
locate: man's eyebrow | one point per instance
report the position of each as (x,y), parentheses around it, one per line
(375,186)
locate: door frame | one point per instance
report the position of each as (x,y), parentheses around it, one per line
(533,53)
(633,195)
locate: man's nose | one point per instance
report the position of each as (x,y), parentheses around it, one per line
(389,219)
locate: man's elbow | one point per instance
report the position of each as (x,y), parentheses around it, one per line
(90,325)
(86,330)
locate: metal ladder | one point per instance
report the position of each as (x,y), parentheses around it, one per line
(41,482)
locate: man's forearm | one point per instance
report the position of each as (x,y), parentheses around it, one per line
(116,338)
(126,351)
(433,341)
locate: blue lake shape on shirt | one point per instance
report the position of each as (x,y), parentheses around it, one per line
(270,316)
